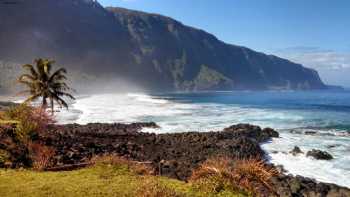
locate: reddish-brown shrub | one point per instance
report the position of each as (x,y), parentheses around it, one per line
(42,119)
(249,175)
(40,155)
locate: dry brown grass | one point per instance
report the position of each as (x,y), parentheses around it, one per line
(249,175)
(151,188)
(139,168)
(40,155)
(252,173)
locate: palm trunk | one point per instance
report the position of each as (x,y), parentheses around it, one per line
(52,112)
(44,104)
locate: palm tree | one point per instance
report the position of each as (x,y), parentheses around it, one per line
(42,84)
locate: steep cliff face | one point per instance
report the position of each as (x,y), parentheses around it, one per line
(181,52)
(151,50)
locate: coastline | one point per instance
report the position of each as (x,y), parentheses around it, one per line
(174,155)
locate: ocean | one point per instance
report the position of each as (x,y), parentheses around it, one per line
(308,119)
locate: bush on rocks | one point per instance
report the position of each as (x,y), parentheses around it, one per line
(40,155)
(249,175)
(20,127)
(29,121)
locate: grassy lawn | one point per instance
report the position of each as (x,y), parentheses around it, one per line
(100,180)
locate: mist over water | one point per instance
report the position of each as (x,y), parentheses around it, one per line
(316,119)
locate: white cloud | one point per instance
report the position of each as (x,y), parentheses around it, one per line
(317,58)
(333,66)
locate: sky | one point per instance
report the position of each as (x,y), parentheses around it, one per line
(315,33)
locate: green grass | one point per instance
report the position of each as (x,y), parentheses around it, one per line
(100,180)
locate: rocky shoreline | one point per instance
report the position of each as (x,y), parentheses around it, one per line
(176,155)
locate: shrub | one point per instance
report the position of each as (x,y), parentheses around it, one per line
(253,173)
(40,155)
(136,167)
(23,124)
(42,119)
(215,175)
(29,121)
(249,175)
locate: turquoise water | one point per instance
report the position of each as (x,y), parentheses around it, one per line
(295,114)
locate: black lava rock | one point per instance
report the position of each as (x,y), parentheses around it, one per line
(318,154)
(296,150)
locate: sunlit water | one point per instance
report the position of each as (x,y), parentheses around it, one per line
(291,113)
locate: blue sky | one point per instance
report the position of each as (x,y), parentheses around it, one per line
(315,33)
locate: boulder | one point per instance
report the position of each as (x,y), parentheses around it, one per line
(310,132)
(318,154)
(288,185)
(252,132)
(296,150)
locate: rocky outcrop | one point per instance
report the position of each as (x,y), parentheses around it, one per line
(286,186)
(296,150)
(175,155)
(318,154)
(153,51)
(252,132)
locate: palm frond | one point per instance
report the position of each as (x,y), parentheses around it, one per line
(65,94)
(27,76)
(48,66)
(58,75)
(27,83)
(31,69)
(60,101)
(32,98)
(43,69)
(60,87)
